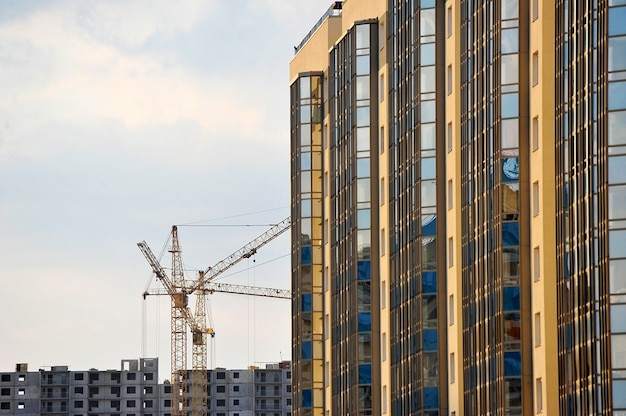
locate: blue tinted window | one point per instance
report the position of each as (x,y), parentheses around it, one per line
(510,234)
(363,219)
(429,336)
(617,53)
(429,225)
(510,295)
(305,161)
(617,243)
(365,322)
(306,255)
(510,105)
(429,282)
(512,363)
(617,17)
(307,396)
(619,394)
(364,270)
(431,397)
(363,167)
(307,302)
(307,350)
(510,169)
(617,95)
(428,168)
(365,374)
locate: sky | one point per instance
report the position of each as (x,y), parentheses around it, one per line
(119,119)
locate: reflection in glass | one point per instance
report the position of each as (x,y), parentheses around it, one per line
(363,167)
(428,168)
(427,79)
(428,111)
(618,351)
(362,190)
(617,94)
(617,276)
(305,161)
(617,243)
(305,87)
(427,22)
(618,323)
(363,219)
(617,173)
(509,40)
(510,105)
(305,135)
(362,116)
(510,133)
(428,194)
(617,53)
(363,88)
(617,127)
(363,36)
(362,64)
(427,136)
(617,202)
(364,244)
(305,208)
(617,17)
(362,139)
(427,54)
(305,181)
(509,66)
(305,114)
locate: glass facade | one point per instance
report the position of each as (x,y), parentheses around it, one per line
(416,200)
(306,243)
(591,221)
(354,279)
(493,221)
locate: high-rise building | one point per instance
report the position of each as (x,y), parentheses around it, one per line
(458,191)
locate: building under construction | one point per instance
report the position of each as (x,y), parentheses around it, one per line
(134,390)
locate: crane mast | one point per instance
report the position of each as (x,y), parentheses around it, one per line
(181,315)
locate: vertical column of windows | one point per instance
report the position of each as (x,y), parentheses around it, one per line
(307,114)
(354,155)
(616,124)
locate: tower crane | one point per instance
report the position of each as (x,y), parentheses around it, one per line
(181,316)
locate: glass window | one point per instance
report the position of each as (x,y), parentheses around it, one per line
(365,374)
(510,133)
(429,282)
(618,323)
(305,208)
(428,111)
(305,87)
(364,244)
(510,295)
(427,79)
(617,277)
(510,9)
(363,65)
(363,88)
(512,363)
(362,139)
(305,182)
(510,264)
(617,202)
(429,307)
(429,254)
(618,351)
(362,116)
(306,255)
(510,233)
(428,194)
(428,136)
(363,190)
(429,339)
(365,321)
(428,168)
(513,392)
(617,16)
(617,94)
(512,327)
(363,36)
(307,302)
(427,22)
(510,105)
(429,225)
(305,114)
(305,135)
(305,161)
(509,40)
(363,168)
(364,293)
(509,65)
(510,198)
(617,173)
(617,53)
(431,397)
(363,219)
(617,243)
(307,396)
(364,270)
(307,350)
(617,127)
(427,54)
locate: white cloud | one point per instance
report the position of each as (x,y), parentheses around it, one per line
(76,78)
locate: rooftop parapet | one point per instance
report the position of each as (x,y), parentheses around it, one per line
(333,10)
